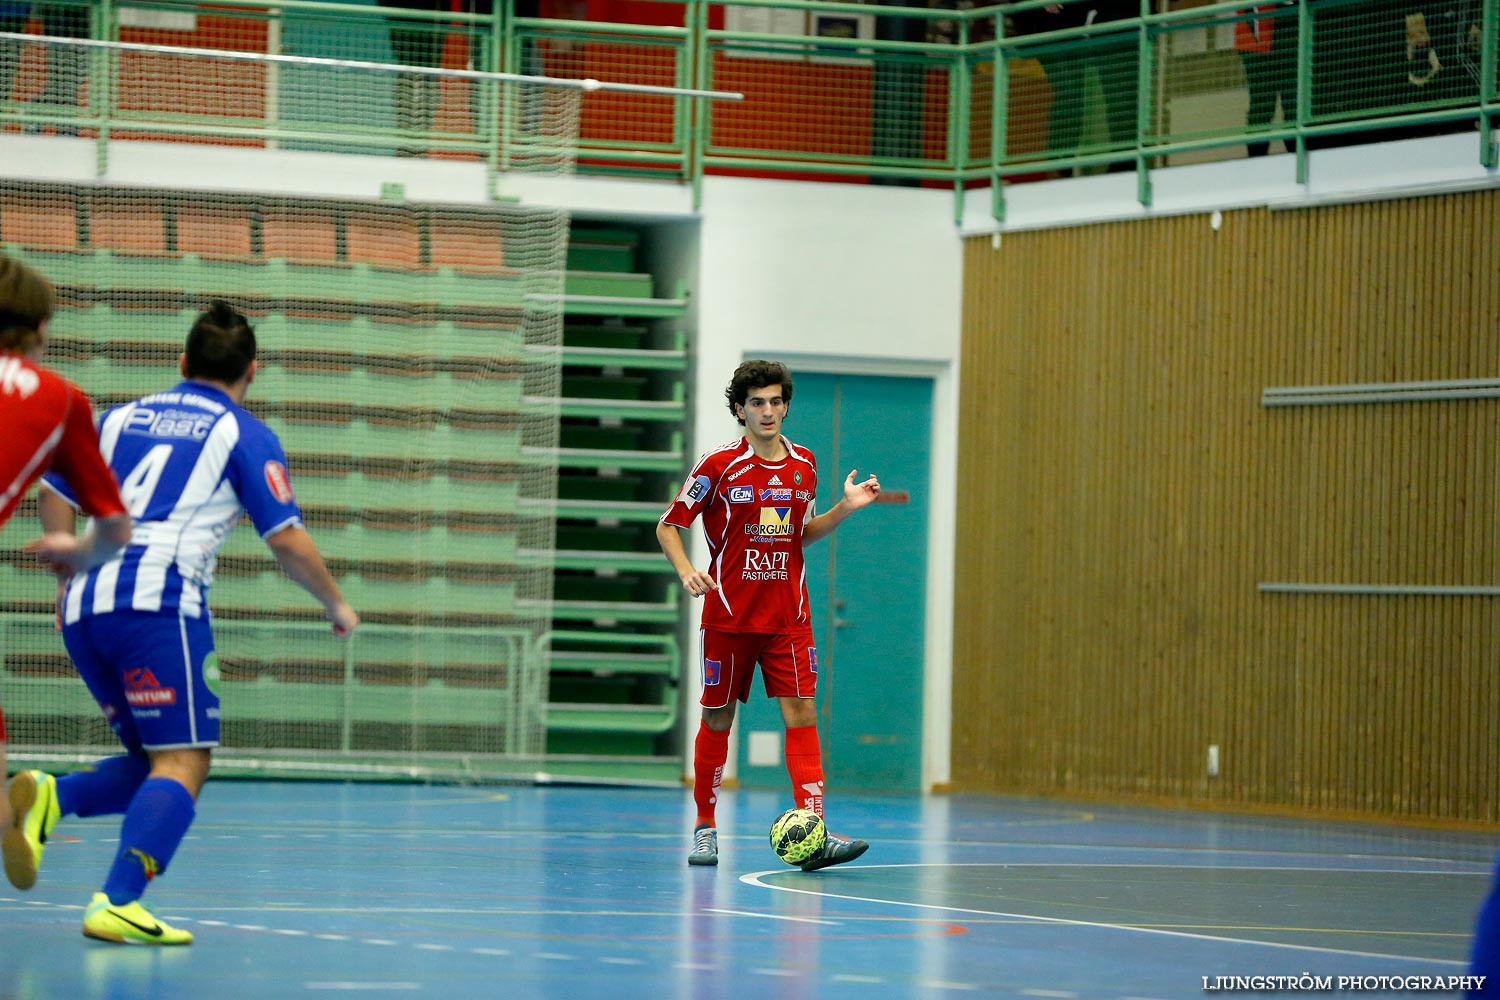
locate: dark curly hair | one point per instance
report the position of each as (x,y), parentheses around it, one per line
(752,375)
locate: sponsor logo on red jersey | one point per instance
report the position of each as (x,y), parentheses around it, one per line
(769,565)
(775,522)
(16,379)
(276,479)
(695,489)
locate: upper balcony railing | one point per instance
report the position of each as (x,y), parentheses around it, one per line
(885,94)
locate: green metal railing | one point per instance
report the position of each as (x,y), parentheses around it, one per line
(891,94)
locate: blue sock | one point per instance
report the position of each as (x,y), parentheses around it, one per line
(105,788)
(1485,958)
(155,823)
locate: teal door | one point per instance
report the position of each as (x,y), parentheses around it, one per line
(867,582)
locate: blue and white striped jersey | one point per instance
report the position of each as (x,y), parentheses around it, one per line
(189,461)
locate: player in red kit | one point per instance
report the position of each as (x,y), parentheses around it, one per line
(757,498)
(48,425)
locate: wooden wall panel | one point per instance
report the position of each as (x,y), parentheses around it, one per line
(1127,492)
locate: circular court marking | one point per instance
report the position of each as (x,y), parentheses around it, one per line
(1329,909)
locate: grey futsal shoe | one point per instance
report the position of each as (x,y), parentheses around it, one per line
(705,846)
(836,850)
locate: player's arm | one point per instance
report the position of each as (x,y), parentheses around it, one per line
(856,495)
(62,549)
(81,470)
(669,537)
(300,559)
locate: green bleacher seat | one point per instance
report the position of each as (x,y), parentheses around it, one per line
(604,336)
(623,286)
(368,438)
(317,484)
(594,436)
(594,588)
(591,386)
(27,587)
(371,593)
(103,322)
(413,541)
(252,279)
(598,537)
(595,718)
(390,336)
(601,488)
(345,379)
(584,612)
(598,249)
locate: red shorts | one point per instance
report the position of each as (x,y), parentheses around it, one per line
(788,665)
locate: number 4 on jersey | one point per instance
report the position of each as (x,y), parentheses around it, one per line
(140,485)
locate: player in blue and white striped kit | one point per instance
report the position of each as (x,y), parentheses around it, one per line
(189,460)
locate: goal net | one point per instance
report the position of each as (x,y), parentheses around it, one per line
(409,360)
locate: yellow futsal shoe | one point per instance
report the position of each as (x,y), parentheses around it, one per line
(128,924)
(33,799)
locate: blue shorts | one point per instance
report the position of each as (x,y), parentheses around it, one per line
(155,676)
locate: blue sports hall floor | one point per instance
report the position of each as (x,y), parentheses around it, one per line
(389,890)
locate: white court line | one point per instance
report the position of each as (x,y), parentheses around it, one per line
(1486,872)
(350,985)
(754,878)
(773,916)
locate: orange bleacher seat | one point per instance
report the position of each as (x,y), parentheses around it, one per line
(220,229)
(383,236)
(464,243)
(128,222)
(307,234)
(39,218)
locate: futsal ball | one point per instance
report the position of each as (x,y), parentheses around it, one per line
(798,834)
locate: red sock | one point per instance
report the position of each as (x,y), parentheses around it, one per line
(710,751)
(2,734)
(804,762)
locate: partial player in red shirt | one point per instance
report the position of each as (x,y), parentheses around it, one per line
(757,499)
(48,425)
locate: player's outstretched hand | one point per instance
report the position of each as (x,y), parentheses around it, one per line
(345,619)
(857,495)
(698,584)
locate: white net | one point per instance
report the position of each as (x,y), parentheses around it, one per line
(410,362)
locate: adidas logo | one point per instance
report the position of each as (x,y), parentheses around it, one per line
(775,481)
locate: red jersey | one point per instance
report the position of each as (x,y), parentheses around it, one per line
(48,424)
(753,514)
